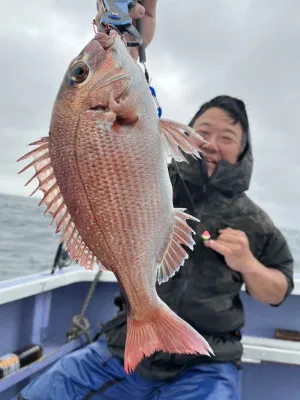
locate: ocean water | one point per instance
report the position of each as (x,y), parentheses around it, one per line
(28,245)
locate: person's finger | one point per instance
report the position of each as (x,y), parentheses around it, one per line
(100,12)
(150,8)
(138,11)
(235,232)
(237,238)
(228,237)
(218,247)
(99,5)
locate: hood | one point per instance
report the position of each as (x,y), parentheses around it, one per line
(228,179)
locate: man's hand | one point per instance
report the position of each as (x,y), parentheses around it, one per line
(147,12)
(234,246)
(265,284)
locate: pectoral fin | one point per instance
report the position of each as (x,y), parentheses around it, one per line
(180,137)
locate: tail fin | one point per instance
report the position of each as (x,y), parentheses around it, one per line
(162,330)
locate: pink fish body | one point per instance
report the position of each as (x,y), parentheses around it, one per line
(103,171)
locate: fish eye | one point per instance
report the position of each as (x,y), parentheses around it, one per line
(79,73)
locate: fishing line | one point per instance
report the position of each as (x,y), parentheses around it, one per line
(185,186)
(159,112)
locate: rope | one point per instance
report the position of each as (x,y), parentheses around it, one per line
(81,325)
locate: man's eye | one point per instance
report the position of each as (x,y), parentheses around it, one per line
(227,139)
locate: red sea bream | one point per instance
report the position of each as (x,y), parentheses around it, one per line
(103,171)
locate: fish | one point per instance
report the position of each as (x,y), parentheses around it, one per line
(103,171)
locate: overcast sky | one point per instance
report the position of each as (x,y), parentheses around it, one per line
(245,48)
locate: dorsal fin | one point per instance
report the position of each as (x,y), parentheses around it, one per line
(55,205)
(175,254)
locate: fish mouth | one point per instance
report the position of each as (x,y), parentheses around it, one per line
(104,108)
(108,79)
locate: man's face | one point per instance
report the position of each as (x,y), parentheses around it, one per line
(224,138)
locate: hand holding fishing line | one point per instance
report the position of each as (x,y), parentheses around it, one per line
(134,20)
(234,246)
(145,12)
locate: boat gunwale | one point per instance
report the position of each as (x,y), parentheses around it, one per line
(30,285)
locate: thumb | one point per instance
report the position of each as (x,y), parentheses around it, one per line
(207,243)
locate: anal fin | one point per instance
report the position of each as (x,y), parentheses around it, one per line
(175,254)
(179,137)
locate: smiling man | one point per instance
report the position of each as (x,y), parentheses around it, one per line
(224,124)
(224,137)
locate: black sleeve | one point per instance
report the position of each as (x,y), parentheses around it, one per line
(173,173)
(276,254)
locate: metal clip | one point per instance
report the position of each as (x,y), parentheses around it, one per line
(117,16)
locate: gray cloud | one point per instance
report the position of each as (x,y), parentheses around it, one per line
(246,48)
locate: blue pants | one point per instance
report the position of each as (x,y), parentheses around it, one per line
(93,373)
